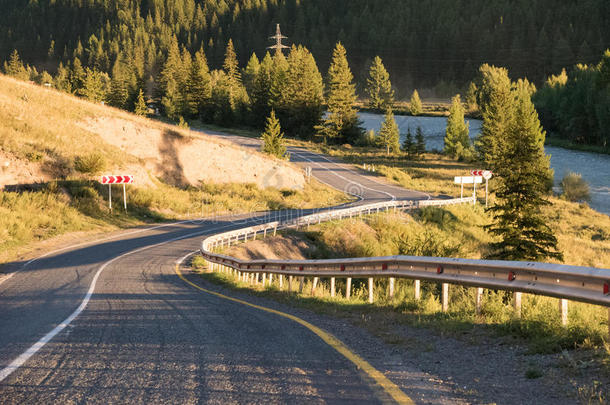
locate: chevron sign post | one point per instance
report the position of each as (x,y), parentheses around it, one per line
(117,179)
(486,175)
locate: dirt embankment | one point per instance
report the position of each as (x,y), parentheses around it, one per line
(181,158)
(273,248)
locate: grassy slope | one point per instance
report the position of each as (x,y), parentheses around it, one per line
(37,125)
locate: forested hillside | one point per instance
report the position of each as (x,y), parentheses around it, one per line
(424,43)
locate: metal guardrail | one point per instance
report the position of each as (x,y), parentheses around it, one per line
(586,284)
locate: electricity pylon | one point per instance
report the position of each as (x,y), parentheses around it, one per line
(278,40)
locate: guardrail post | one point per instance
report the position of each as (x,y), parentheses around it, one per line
(289,284)
(348,287)
(301,282)
(332,286)
(563,308)
(265,233)
(517,304)
(270,279)
(314,285)
(264,278)
(281,281)
(391,287)
(274,230)
(416,287)
(370,290)
(445,297)
(479,300)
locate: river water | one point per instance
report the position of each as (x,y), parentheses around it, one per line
(594,167)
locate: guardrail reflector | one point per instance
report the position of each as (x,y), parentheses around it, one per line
(300,268)
(283,267)
(511,276)
(439,270)
(606,288)
(343,267)
(384,266)
(263,267)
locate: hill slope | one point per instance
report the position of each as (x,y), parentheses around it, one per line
(43,133)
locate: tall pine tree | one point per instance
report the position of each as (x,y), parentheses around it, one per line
(457,141)
(379,87)
(341,123)
(415,106)
(522,170)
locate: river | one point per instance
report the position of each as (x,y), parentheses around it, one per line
(594,167)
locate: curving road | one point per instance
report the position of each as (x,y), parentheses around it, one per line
(110,321)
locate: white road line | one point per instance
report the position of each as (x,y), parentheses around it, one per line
(23,357)
(9,275)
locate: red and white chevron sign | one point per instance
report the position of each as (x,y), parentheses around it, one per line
(485,173)
(117,179)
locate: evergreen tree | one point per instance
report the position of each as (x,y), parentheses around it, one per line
(15,67)
(408,146)
(141,108)
(231,65)
(518,218)
(379,87)
(420,142)
(389,136)
(251,73)
(260,93)
(303,94)
(94,86)
(273,138)
(341,123)
(77,75)
(199,87)
(495,102)
(457,141)
(415,106)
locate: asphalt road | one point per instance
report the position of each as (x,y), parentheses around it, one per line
(145,336)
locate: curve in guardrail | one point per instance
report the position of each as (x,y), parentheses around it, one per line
(586,284)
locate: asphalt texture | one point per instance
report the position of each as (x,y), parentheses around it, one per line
(145,336)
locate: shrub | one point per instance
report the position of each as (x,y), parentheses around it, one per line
(575,188)
(92,163)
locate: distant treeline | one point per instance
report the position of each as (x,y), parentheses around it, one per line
(575,105)
(425,43)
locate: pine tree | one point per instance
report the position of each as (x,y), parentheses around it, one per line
(522,169)
(415,106)
(408,146)
(273,138)
(389,136)
(379,87)
(199,86)
(341,123)
(457,141)
(261,92)
(94,86)
(140,107)
(495,101)
(231,65)
(303,95)
(15,67)
(251,72)
(420,142)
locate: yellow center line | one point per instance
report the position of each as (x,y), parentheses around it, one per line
(381,380)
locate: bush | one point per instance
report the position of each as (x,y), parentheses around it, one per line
(93,163)
(575,188)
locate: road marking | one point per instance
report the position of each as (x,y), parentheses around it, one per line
(23,357)
(388,386)
(9,275)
